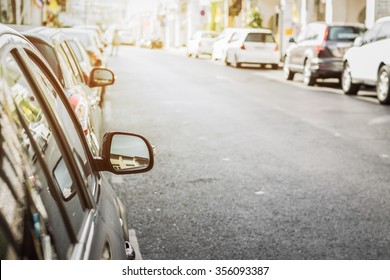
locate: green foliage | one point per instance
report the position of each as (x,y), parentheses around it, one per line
(255,19)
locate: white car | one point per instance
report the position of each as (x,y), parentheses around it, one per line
(201,43)
(221,43)
(252,46)
(368,62)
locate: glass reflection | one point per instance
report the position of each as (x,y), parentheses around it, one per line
(129,152)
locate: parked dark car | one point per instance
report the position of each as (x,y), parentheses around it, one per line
(318,51)
(59,204)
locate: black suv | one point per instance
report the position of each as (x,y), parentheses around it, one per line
(55,202)
(318,51)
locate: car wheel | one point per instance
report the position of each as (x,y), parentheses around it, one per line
(275,66)
(308,78)
(349,88)
(382,86)
(226,60)
(288,74)
(236,63)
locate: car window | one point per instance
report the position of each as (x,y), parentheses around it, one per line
(343,33)
(76,50)
(260,38)
(235,37)
(302,35)
(37,120)
(384,32)
(50,56)
(73,62)
(315,32)
(371,34)
(74,137)
(66,67)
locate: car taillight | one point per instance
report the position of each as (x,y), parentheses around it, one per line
(321,47)
(242,47)
(276,48)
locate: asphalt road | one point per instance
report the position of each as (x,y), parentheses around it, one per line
(248,166)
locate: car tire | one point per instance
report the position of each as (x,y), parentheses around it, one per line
(349,88)
(236,63)
(288,74)
(227,63)
(308,78)
(275,66)
(383,85)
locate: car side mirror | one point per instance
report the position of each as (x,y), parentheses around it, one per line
(358,42)
(125,153)
(100,77)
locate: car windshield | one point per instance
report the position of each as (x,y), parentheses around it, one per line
(260,38)
(344,33)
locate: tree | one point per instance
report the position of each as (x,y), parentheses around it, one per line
(255,19)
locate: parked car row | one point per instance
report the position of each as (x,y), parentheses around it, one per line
(55,201)
(236,46)
(350,53)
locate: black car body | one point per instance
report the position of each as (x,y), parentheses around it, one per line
(318,51)
(66,208)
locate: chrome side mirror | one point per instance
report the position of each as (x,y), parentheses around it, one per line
(100,77)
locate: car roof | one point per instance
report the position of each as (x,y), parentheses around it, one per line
(336,24)
(46,35)
(383,19)
(7,29)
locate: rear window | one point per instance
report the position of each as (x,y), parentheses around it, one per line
(344,33)
(260,38)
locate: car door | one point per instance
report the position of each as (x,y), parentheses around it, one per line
(296,52)
(66,212)
(363,69)
(93,231)
(232,47)
(378,51)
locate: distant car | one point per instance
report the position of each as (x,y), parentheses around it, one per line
(81,55)
(252,46)
(201,43)
(221,43)
(55,201)
(98,32)
(84,98)
(318,51)
(90,41)
(368,62)
(126,37)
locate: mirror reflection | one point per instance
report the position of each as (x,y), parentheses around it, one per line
(128,152)
(102,76)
